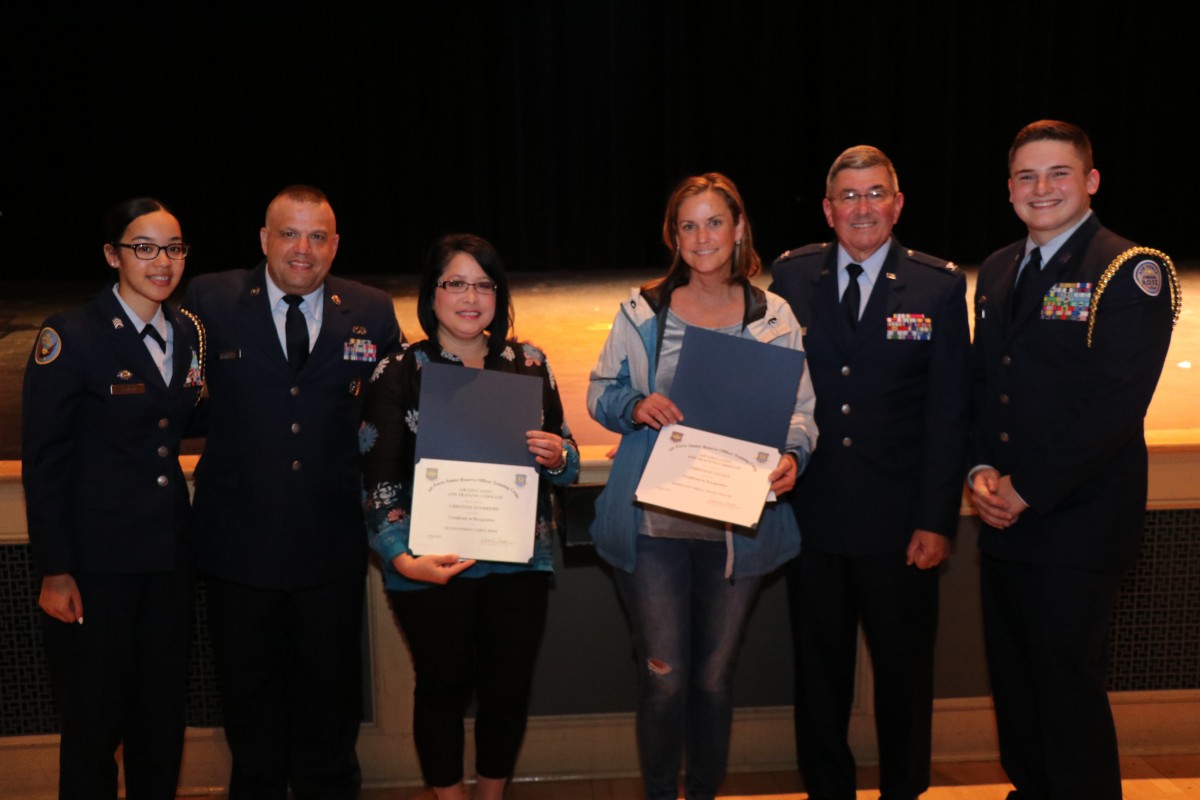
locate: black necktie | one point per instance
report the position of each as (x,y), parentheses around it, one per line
(153,333)
(296,331)
(1026,279)
(852,297)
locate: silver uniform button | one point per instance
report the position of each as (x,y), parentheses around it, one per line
(845,408)
(163,480)
(163,451)
(295,427)
(295,390)
(1003,399)
(847,442)
(1004,436)
(163,423)
(1006,360)
(845,371)
(295,466)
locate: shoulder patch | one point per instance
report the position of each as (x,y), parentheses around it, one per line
(1148,277)
(49,346)
(1150,273)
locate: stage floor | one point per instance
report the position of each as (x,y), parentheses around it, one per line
(569,315)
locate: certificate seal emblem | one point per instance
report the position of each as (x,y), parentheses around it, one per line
(676,437)
(431,474)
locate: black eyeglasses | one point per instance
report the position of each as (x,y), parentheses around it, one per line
(458,287)
(147,251)
(872,196)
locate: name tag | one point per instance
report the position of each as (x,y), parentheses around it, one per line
(118,389)
(909,328)
(359,350)
(1067,301)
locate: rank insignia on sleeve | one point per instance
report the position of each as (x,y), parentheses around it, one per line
(1148,277)
(360,350)
(1068,301)
(49,347)
(909,328)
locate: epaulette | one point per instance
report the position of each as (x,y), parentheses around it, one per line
(806,250)
(1147,274)
(927,260)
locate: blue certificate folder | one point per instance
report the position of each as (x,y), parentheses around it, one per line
(477,415)
(737,387)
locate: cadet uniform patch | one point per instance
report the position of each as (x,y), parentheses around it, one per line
(1067,301)
(1148,277)
(49,346)
(909,328)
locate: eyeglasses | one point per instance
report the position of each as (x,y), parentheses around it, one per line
(458,287)
(147,251)
(874,197)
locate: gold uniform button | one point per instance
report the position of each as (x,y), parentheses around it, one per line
(163,451)
(163,480)
(295,466)
(295,427)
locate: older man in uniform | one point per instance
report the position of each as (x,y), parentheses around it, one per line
(888,347)
(278,501)
(1072,325)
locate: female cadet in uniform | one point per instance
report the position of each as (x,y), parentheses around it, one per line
(110,389)
(470,625)
(688,583)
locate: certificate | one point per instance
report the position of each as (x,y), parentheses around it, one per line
(484,511)
(708,475)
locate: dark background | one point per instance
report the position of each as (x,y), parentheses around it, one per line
(557,128)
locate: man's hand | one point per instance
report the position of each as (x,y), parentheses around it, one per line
(656,411)
(927,549)
(60,598)
(994,498)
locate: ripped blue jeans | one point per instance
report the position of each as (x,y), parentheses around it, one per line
(687,621)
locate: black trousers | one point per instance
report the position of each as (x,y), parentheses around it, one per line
(121,677)
(478,635)
(1047,629)
(829,595)
(289,664)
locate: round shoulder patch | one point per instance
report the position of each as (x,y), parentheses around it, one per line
(48,347)
(1147,275)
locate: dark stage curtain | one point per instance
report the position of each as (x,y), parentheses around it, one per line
(557,128)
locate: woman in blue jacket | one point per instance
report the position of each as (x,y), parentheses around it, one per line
(688,583)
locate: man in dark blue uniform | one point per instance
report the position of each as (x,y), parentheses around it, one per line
(278,501)
(1072,325)
(888,348)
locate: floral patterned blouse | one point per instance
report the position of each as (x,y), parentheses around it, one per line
(387,440)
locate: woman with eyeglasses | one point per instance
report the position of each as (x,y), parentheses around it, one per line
(688,583)
(471,626)
(110,390)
